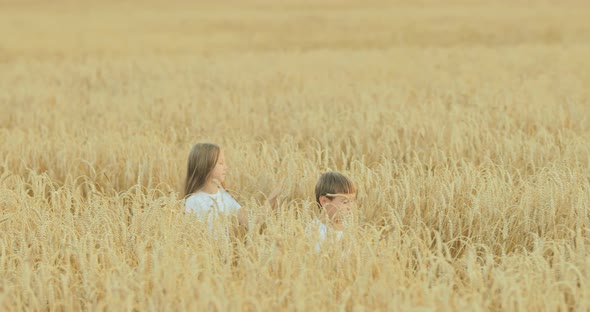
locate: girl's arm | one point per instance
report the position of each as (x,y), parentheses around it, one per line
(269,204)
(243,217)
(272,199)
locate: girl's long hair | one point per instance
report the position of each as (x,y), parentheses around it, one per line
(201,161)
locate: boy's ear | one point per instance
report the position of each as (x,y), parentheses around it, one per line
(324,200)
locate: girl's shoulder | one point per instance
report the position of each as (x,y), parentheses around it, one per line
(228,199)
(199,200)
(198,196)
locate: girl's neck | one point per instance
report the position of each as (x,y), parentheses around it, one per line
(210,187)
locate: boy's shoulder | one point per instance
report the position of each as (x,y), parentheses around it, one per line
(316,227)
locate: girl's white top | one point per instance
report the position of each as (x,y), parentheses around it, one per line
(210,207)
(205,205)
(323,233)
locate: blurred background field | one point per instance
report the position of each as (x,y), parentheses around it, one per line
(465,125)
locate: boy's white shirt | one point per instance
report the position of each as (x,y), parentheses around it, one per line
(323,232)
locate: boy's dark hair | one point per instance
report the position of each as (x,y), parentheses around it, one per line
(333,182)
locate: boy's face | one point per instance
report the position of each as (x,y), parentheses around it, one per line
(338,206)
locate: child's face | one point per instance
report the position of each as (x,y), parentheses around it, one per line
(220,168)
(338,206)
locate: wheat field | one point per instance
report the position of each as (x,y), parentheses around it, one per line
(464,124)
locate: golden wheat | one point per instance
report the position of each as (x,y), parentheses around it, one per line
(465,126)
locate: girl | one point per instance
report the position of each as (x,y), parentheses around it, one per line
(205,186)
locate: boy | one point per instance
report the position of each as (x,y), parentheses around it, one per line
(335,194)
